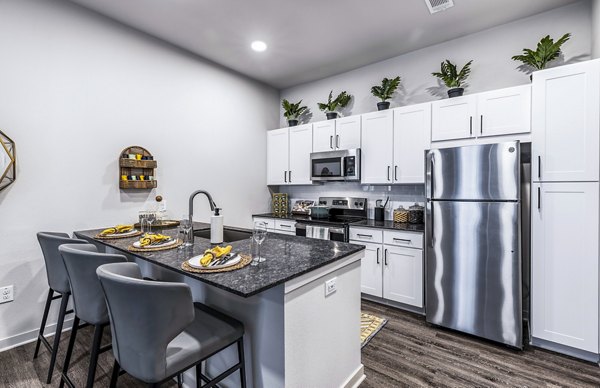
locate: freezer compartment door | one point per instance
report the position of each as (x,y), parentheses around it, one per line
(480,172)
(473,269)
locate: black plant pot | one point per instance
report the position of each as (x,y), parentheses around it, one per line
(383,105)
(456,92)
(292,123)
(331,115)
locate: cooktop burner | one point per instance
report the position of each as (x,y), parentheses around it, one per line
(342,211)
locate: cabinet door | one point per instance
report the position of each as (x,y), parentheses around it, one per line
(564,296)
(347,133)
(412,129)
(324,136)
(301,143)
(371,269)
(377,147)
(565,123)
(277,156)
(453,118)
(504,111)
(403,275)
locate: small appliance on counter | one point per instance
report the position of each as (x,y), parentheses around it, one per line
(279,204)
(302,207)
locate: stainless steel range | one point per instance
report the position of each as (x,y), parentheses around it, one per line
(343,211)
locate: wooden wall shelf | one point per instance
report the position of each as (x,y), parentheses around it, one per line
(142,170)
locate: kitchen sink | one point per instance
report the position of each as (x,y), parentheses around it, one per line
(229,235)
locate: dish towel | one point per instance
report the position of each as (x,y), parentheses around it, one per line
(319,232)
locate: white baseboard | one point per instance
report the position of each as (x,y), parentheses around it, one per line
(31,335)
(356,379)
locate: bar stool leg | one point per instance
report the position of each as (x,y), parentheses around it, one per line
(240,346)
(69,352)
(43,325)
(98,330)
(115,374)
(64,300)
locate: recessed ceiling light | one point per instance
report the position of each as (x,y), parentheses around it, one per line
(258,45)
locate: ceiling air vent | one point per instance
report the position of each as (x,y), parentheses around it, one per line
(438,5)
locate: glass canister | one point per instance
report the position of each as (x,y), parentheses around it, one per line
(401,215)
(416,214)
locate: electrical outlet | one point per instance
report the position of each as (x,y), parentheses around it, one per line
(6,294)
(330,286)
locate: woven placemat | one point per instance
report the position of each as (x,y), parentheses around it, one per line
(177,244)
(116,237)
(246,259)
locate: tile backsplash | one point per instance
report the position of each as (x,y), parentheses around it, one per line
(405,195)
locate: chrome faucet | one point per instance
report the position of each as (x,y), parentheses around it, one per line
(210,202)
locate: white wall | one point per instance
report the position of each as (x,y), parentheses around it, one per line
(595,28)
(76,89)
(492,67)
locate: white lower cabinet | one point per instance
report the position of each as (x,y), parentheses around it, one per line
(278,225)
(564,263)
(403,275)
(371,269)
(391,271)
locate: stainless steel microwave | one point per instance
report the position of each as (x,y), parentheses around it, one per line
(342,165)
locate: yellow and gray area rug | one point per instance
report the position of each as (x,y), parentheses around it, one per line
(369,327)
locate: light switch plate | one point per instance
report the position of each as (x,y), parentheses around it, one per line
(330,286)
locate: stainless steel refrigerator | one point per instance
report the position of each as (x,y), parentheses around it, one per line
(474,256)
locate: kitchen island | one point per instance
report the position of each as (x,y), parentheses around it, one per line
(296,335)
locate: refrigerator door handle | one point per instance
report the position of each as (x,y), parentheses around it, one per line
(539,166)
(539,198)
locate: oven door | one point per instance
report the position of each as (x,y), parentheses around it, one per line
(327,166)
(334,233)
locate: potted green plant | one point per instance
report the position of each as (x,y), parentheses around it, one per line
(546,51)
(385,91)
(453,78)
(342,100)
(292,111)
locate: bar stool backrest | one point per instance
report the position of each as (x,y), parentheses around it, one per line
(55,268)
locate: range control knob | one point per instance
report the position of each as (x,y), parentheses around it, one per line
(355,203)
(360,203)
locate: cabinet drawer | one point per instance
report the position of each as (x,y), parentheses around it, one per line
(284,232)
(269,222)
(285,225)
(366,235)
(403,239)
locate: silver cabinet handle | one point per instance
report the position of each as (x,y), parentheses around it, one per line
(470,125)
(385,257)
(331,141)
(365,235)
(378,255)
(481,126)
(407,241)
(290,176)
(285,176)
(389,169)
(539,198)
(396,173)
(337,141)
(539,166)
(285,226)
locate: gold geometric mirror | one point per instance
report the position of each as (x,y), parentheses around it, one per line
(8,165)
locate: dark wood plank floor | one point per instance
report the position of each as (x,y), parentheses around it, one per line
(407,352)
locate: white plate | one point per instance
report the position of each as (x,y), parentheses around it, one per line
(166,244)
(194,262)
(121,234)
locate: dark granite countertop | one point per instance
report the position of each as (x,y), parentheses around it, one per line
(369,223)
(287,257)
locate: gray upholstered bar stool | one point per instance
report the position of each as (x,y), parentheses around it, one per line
(58,283)
(81,262)
(158,330)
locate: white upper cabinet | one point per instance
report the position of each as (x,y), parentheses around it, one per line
(277,156)
(347,133)
(564,264)
(377,147)
(412,131)
(324,136)
(301,143)
(565,123)
(504,111)
(453,118)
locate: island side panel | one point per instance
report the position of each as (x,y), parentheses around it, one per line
(322,333)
